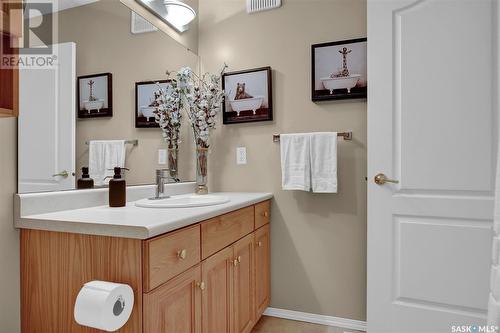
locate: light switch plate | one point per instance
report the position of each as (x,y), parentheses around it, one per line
(162,156)
(241,155)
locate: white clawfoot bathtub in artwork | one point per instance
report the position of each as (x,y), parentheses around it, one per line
(343,82)
(93,105)
(247,104)
(148,112)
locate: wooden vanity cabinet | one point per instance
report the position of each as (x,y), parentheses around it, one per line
(217,299)
(244,285)
(262,269)
(210,277)
(175,306)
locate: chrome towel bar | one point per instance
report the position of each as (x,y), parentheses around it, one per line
(128,142)
(345,135)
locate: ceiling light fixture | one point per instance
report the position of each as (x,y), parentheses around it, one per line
(179,14)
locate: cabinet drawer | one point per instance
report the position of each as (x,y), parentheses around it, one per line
(167,256)
(219,232)
(262,213)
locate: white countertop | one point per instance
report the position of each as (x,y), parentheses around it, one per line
(129,221)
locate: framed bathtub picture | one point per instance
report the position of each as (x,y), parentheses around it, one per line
(95,95)
(249,96)
(339,70)
(145,102)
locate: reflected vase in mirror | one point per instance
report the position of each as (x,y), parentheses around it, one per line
(173,162)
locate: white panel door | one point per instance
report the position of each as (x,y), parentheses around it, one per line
(432,125)
(46,127)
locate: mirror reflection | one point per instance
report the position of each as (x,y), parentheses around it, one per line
(87,110)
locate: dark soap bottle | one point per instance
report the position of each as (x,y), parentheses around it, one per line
(117,189)
(85,181)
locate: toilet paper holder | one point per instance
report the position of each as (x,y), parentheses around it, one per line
(119,306)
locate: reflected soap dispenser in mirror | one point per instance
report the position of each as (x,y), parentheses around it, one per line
(85,181)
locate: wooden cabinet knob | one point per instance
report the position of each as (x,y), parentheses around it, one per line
(201,285)
(259,243)
(182,254)
(239,259)
(266,214)
(235,262)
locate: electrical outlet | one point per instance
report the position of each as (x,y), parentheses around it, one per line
(241,155)
(162,156)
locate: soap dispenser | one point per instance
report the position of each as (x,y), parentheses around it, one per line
(117,189)
(85,181)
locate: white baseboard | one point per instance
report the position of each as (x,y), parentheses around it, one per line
(317,319)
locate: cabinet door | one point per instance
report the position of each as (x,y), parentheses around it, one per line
(175,306)
(262,267)
(217,274)
(244,285)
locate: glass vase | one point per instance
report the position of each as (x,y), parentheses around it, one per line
(201,170)
(173,166)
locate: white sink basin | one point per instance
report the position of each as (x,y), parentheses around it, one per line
(183,201)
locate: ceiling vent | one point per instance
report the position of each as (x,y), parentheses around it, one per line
(254,6)
(139,25)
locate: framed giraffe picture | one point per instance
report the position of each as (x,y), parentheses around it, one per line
(339,70)
(95,95)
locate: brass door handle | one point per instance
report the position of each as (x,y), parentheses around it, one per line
(64,174)
(381,179)
(182,254)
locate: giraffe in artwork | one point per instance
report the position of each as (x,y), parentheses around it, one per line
(345,70)
(91,93)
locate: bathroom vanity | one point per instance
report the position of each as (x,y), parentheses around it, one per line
(203,269)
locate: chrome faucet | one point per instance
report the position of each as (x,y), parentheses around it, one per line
(161,177)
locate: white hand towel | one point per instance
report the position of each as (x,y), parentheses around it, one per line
(324,162)
(295,162)
(103,157)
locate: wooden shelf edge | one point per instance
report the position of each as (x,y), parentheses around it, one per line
(5,113)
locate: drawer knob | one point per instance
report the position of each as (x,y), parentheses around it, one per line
(201,285)
(239,259)
(235,262)
(182,254)
(266,214)
(259,243)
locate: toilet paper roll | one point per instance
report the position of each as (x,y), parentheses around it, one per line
(104,305)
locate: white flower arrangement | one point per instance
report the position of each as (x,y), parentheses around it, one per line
(202,97)
(168,113)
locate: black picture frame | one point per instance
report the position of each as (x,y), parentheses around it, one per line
(264,111)
(107,97)
(148,120)
(338,86)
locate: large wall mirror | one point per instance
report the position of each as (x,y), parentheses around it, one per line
(106,60)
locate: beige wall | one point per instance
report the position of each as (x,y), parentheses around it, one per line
(9,237)
(318,240)
(104,43)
